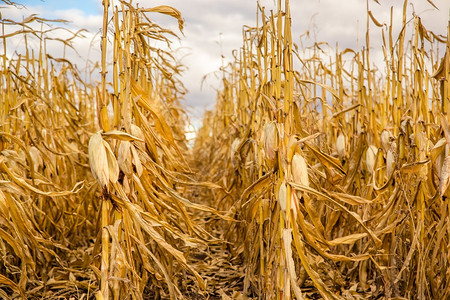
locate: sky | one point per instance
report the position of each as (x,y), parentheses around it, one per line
(214,28)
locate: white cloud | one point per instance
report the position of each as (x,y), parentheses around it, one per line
(341,22)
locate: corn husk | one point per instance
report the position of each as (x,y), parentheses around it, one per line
(37,158)
(98,160)
(340,145)
(371,155)
(282,193)
(390,162)
(444,181)
(271,142)
(124,158)
(234,146)
(113,166)
(386,140)
(137,132)
(102,161)
(300,170)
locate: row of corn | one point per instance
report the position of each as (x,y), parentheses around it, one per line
(337,171)
(91,173)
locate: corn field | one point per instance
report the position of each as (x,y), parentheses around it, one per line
(316,176)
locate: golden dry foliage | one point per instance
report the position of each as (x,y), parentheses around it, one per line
(336,172)
(125,231)
(313,177)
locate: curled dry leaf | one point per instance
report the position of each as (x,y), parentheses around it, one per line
(123,136)
(168,10)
